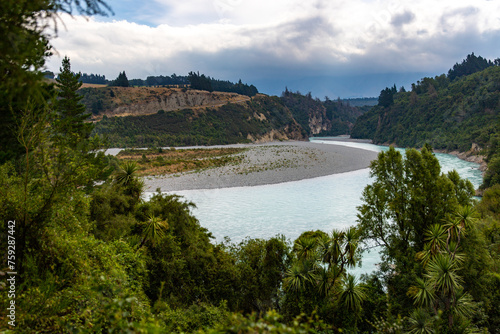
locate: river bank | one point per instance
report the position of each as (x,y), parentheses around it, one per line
(269,163)
(473,155)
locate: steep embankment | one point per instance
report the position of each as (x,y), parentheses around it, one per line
(449,115)
(322,118)
(259,119)
(149,116)
(139,101)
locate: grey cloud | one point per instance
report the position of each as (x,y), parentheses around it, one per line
(401,19)
(449,19)
(294,36)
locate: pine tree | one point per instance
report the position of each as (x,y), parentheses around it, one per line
(121,80)
(71,126)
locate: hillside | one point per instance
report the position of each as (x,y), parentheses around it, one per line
(322,118)
(140,101)
(146,116)
(449,115)
(262,118)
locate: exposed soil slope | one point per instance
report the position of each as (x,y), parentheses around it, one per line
(140,101)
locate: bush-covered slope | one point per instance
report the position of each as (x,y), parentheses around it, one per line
(446,114)
(323,118)
(261,118)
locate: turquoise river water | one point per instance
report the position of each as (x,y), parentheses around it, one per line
(291,208)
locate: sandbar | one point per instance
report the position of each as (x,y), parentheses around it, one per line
(269,163)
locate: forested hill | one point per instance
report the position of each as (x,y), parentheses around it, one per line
(322,118)
(448,111)
(262,118)
(158,116)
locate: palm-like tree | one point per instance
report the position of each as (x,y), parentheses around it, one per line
(330,247)
(323,281)
(442,275)
(435,238)
(464,305)
(424,296)
(420,322)
(446,284)
(299,275)
(442,287)
(351,241)
(306,248)
(126,173)
(457,226)
(154,230)
(126,176)
(464,218)
(352,294)
(340,248)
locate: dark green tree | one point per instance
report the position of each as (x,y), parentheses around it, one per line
(469,65)
(71,123)
(442,289)
(25,26)
(200,82)
(47,172)
(24,45)
(407,196)
(386,97)
(121,80)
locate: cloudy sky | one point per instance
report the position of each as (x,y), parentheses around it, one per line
(346,48)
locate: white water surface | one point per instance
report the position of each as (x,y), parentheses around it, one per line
(292,208)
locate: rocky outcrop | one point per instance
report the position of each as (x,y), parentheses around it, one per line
(318,122)
(472,155)
(147,100)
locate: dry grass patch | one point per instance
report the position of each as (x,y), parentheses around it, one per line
(172,161)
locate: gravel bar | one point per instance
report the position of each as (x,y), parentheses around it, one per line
(269,163)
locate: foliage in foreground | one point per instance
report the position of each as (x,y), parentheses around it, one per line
(94,257)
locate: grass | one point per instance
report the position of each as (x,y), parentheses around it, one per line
(159,161)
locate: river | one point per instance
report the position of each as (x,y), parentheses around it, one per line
(291,208)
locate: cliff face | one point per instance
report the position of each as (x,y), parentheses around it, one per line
(175,100)
(179,118)
(131,101)
(327,118)
(318,122)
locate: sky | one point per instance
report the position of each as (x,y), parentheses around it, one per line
(335,48)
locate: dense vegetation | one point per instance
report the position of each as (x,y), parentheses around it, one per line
(194,80)
(89,255)
(93,79)
(202,82)
(447,114)
(172,80)
(97,100)
(231,123)
(335,117)
(293,115)
(470,65)
(120,81)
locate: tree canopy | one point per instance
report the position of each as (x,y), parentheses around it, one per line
(120,81)
(471,64)
(89,255)
(450,115)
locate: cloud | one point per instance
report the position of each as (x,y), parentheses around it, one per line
(262,40)
(399,20)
